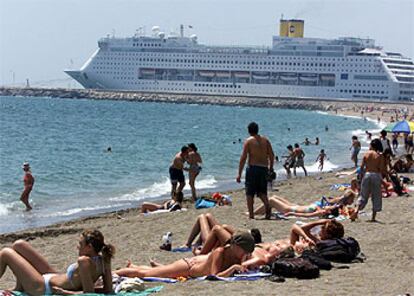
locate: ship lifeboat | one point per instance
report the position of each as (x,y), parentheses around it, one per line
(207,73)
(148,71)
(242,74)
(223,74)
(288,76)
(260,75)
(308,77)
(327,77)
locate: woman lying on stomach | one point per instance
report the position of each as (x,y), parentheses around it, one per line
(35,276)
(223,261)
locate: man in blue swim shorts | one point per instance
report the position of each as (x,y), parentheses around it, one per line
(258,152)
(176,171)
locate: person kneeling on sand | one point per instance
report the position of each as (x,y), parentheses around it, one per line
(35,276)
(323,207)
(223,261)
(172,205)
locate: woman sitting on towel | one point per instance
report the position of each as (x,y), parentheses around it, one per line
(171,205)
(35,276)
(223,261)
(320,208)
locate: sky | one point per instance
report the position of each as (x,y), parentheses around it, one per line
(41,38)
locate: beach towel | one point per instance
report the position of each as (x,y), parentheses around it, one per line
(181,250)
(340,186)
(164,211)
(204,204)
(140,293)
(246,276)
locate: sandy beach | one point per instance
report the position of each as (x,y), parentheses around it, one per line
(388,270)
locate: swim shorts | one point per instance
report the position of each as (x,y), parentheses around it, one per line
(256,180)
(371,186)
(299,163)
(176,175)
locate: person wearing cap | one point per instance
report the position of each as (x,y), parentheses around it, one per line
(223,261)
(28,181)
(258,152)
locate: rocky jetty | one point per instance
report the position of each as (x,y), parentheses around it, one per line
(285,103)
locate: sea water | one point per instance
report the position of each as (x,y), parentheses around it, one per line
(66,141)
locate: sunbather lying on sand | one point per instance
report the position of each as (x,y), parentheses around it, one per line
(320,208)
(172,205)
(35,276)
(223,261)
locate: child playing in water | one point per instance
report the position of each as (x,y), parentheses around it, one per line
(321,158)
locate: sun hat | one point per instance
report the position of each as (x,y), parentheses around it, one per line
(244,240)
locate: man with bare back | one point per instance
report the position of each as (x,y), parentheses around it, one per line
(176,171)
(373,164)
(258,152)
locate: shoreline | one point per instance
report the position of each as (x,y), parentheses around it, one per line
(346,112)
(314,104)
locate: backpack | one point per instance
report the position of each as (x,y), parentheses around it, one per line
(317,259)
(295,267)
(343,250)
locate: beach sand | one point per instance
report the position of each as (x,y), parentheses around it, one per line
(388,270)
(388,245)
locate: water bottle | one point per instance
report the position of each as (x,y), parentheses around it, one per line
(166,241)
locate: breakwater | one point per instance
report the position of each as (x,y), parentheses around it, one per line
(284,103)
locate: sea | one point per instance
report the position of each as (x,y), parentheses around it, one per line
(66,142)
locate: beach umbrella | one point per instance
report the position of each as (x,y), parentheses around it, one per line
(400,127)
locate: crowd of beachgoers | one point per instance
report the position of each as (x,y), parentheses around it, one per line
(224,250)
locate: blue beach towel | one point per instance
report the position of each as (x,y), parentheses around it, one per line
(204,204)
(181,250)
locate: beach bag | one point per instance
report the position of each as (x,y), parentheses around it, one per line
(300,268)
(317,259)
(204,204)
(343,250)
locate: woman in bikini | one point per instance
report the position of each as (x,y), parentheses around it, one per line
(35,276)
(223,261)
(194,160)
(172,205)
(320,208)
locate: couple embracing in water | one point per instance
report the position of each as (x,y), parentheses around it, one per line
(190,155)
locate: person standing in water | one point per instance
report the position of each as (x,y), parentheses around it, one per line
(28,181)
(258,151)
(299,159)
(176,171)
(194,160)
(321,157)
(355,148)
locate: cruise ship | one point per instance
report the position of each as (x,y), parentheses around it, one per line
(294,67)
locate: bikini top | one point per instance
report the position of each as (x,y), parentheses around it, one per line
(71,268)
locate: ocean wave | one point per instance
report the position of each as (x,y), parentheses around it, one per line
(314,168)
(162,188)
(74,211)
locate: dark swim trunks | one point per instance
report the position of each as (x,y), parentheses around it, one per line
(256,181)
(176,175)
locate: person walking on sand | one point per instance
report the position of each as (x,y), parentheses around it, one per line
(28,181)
(194,160)
(355,148)
(258,152)
(299,159)
(373,163)
(176,171)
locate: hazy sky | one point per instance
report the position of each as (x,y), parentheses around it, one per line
(39,38)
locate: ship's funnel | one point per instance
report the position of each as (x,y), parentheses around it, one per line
(291,28)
